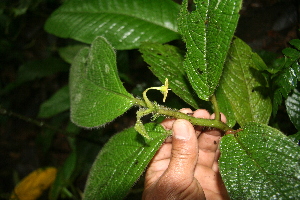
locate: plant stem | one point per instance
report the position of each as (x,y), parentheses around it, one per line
(156,109)
(42,124)
(140,102)
(195,121)
(213,100)
(215,123)
(29,120)
(147,101)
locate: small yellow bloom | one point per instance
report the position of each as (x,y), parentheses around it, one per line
(164,89)
(33,185)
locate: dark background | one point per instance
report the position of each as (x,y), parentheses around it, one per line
(25,145)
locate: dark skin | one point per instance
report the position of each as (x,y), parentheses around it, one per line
(186,165)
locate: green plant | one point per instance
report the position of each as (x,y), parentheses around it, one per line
(257,161)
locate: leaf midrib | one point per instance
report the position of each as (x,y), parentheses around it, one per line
(247,83)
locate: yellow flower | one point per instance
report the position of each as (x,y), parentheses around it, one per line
(33,185)
(164,89)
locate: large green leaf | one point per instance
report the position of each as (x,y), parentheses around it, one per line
(121,162)
(260,162)
(166,62)
(207,32)
(96,92)
(293,108)
(124,23)
(244,86)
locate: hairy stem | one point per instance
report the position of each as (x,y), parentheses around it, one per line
(140,102)
(147,101)
(160,110)
(195,121)
(214,123)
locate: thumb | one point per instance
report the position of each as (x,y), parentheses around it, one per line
(184,153)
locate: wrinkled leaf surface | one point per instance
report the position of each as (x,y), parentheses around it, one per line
(207,31)
(121,162)
(260,162)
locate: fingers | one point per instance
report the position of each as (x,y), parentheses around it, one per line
(184,154)
(223,118)
(208,140)
(201,113)
(183,161)
(209,143)
(168,123)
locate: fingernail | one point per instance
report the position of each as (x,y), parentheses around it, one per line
(181,130)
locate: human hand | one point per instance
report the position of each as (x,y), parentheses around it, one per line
(186,165)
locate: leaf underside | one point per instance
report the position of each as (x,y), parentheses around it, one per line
(260,162)
(125,24)
(96,91)
(121,162)
(207,32)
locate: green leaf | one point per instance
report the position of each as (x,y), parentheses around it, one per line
(207,32)
(125,24)
(295,43)
(292,104)
(96,92)
(260,162)
(166,62)
(244,86)
(121,162)
(287,78)
(290,52)
(58,103)
(68,53)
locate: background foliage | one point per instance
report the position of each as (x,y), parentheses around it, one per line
(34,77)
